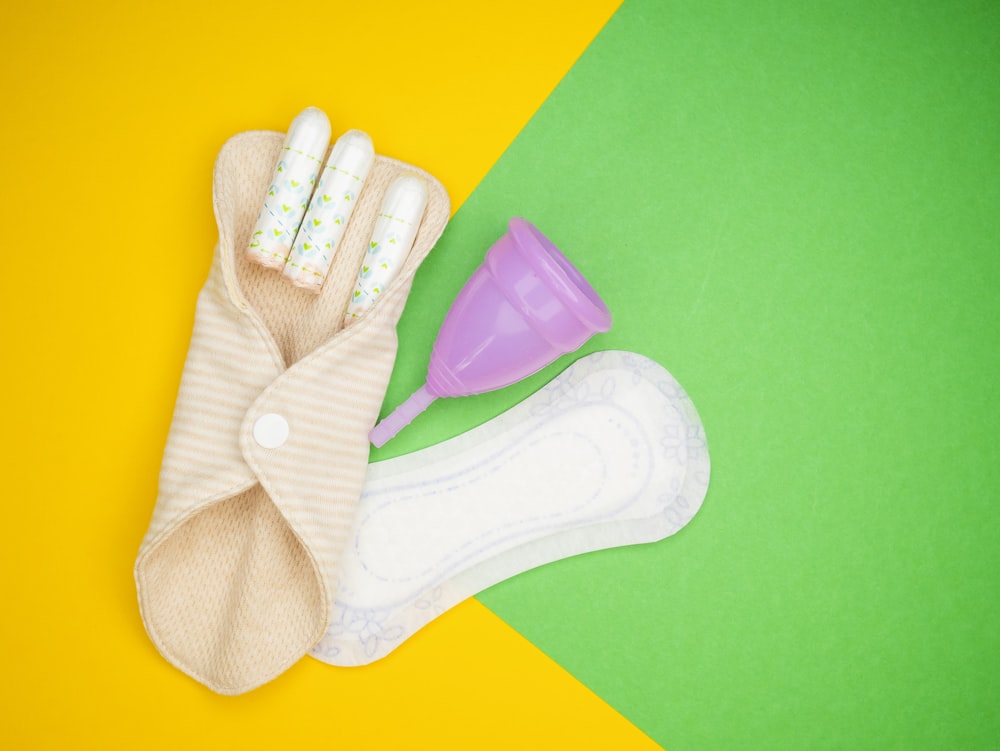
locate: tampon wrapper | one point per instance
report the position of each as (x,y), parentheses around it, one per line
(333,201)
(290,189)
(391,240)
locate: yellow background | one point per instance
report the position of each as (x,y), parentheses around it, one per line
(114,113)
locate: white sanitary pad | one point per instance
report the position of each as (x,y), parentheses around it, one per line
(610,453)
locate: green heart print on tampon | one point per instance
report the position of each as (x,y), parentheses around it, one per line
(395,229)
(332,203)
(290,189)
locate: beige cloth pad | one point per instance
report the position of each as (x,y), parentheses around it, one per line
(237,572)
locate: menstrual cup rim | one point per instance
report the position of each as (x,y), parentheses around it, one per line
(566,279)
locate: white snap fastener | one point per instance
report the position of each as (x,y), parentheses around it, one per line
(270,430)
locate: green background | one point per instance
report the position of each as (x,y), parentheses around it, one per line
(796,210)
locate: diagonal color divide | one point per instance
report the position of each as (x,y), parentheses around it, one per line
(794,209)
(133,103)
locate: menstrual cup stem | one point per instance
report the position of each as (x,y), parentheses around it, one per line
(401,417)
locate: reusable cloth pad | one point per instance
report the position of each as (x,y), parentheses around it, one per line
(237,573)
(610,453)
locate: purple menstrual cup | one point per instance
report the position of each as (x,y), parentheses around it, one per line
(522,308)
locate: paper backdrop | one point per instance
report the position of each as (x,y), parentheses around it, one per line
(795,208)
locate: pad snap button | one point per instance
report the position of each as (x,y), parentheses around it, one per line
(270,430)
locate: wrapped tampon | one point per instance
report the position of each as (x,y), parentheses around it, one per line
(291,187)
(395,229)
(336,194)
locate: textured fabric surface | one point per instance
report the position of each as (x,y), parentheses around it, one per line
(237,571)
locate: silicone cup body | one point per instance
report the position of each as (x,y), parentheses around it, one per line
(524,306)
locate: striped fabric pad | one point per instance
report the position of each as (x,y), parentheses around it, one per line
(237,571)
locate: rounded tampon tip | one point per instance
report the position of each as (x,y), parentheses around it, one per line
(406,198)
(402,416)
(353,153)
(310,132)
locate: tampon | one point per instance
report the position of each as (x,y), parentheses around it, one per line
(336,194)
(391,241)
(291,187)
